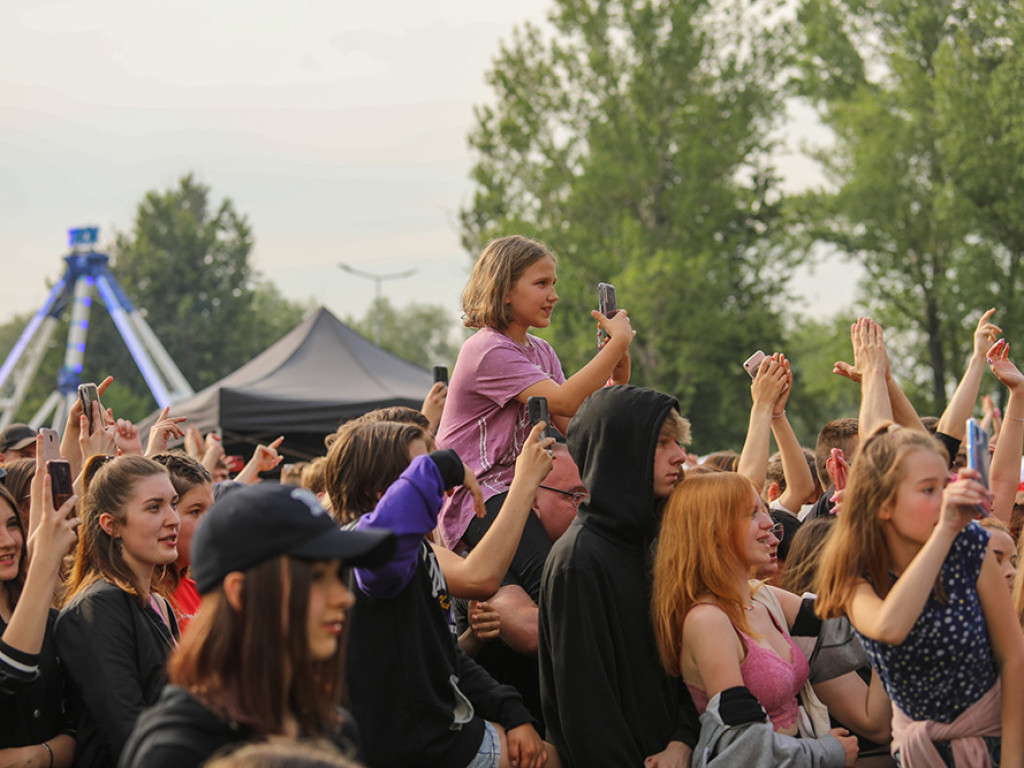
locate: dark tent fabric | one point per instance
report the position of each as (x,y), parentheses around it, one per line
(319,374)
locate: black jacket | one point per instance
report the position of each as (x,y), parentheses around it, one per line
(181,732)
(607,700)
(410,685)
(33,701)
(114,652)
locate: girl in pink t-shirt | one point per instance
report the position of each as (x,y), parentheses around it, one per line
(485,420)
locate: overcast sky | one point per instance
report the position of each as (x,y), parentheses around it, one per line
(337,126)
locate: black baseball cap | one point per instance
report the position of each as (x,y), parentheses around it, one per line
(252,525)
(16,437)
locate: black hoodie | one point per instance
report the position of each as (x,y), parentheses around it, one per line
(607,700)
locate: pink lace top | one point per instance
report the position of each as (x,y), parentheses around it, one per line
(774,681)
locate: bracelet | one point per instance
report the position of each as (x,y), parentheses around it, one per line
(50,751)
(1012,418)
(780,415)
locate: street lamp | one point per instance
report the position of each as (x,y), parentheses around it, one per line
(378,279)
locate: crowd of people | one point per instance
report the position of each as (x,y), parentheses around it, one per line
(461,587)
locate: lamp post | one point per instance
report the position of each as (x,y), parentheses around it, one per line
(378,279)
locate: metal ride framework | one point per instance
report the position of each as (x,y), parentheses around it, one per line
(86,269)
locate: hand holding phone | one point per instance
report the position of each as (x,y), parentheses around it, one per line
(607,306)
(753,363)
(538,410)
(87,395)
(60,481)
(51,444)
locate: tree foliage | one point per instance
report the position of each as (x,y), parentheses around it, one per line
(185,265)
(633,138)
(423,334)
(925,175)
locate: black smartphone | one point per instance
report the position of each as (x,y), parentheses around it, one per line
(538,410)
(441,374)
(87,395)
(607,306)
(51,444)
(60,481)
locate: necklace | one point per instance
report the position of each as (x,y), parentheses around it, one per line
(748,607)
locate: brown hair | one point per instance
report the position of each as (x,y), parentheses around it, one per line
(254,663)
(13,587)
(367,457)
(698,555)
(857,549)
(801,567)
(186,473)
(98,555)
(18,481)
(727,461)
(314,475)
(501,263)
(285,754)
(840,433)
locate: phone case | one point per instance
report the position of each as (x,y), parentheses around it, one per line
(752,363)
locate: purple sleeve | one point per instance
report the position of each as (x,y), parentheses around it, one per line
(409,509)
(504,371)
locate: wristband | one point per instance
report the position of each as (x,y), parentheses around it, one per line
(780,415)
(49,751)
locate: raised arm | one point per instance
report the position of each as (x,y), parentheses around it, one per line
(890,620)
(1004,476)
(961,405)
(479,574)
(871,359)
(799,481)
(769,387)
(564,399)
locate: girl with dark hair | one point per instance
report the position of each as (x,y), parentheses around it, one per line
(510,291)
(35,728)
(194,486)
(264,655)
(115,631)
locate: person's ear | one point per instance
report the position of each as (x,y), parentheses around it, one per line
(830,468)
(234,589)
(774,491)
(108,523)
(885,511)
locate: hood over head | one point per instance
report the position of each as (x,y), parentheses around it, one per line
(612,438)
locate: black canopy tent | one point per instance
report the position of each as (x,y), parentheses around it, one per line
(319,374)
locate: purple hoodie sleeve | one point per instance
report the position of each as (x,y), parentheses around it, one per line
(408,508)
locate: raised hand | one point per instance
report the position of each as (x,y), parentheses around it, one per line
(869,353)
(1003,367)
(433,404)
(102,441)
(986,333)
(126,434)
(264,459)
(167,428)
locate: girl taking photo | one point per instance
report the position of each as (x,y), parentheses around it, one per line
(910,568)
(264,657)
(35,729)
(502,365)
(115,631)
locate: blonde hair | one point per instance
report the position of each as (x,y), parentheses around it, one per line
(501,263)
(857,546)
(698,556)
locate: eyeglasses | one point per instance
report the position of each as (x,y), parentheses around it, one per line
(777,531)
(578,497)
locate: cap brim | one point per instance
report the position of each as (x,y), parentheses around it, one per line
(359,548)
(23,443)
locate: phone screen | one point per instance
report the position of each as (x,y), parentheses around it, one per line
(60,481)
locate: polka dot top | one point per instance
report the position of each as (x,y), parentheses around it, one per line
(946,663)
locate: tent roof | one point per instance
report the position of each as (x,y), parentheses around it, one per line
(317,375)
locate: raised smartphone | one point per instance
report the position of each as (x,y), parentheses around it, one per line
(87,395)
(752,363)
(51,444)
(607,306)
(60,481)
(538,410)
(441,374)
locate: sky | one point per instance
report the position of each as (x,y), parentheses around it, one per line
(337,126)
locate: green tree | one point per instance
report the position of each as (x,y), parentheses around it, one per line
(185,265)
(925,184)
(633,138)
(423,334)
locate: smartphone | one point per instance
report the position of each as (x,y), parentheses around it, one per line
(60,481)
(441,374)
(51,444)
(87,395)
(607,306)
(840,471)
(538,409)
(752,363)
(978,457)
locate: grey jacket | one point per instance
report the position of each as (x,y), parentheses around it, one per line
(734,730)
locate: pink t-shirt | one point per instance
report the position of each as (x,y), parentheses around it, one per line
(483,422)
